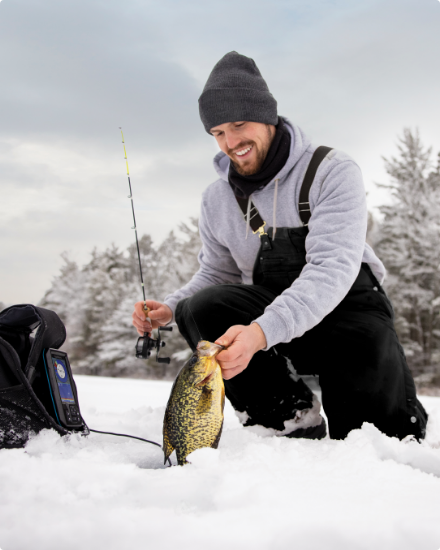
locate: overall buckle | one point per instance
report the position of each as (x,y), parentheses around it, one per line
(260,230)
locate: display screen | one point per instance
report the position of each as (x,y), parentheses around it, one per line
(63,380)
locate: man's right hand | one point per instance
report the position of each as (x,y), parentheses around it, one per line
(160,315)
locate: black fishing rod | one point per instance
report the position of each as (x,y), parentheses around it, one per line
(145,344)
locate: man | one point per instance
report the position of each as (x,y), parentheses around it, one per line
(300,297)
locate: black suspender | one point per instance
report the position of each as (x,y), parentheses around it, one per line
(304,204)
(255,220)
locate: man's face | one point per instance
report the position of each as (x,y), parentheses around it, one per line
(245,143)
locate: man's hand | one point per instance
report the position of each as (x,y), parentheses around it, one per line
(160,315)
(242,342)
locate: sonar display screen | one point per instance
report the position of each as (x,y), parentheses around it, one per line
(62,377)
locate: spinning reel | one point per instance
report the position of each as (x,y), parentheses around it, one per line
(145,345)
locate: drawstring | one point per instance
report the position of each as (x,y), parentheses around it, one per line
(248,216)
(275,196)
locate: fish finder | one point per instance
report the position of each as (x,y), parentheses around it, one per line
(62,389)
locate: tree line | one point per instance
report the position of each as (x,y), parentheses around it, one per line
(96,301)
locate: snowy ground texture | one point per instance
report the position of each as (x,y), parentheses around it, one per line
(257,491)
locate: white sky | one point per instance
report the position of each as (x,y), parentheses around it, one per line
(351,74)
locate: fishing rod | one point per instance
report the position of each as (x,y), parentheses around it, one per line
(145,344)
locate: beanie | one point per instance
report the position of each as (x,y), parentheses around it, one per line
(235,91)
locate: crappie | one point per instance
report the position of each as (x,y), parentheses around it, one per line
(194,413)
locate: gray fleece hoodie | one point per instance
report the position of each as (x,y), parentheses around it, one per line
(335,244)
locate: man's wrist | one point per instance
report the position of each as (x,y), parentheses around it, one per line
(171,312)
(260,337)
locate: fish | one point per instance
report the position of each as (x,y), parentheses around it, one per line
(194,413)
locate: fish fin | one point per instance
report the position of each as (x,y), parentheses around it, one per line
(217,439)
(167,448)
(205,401)
(181,458)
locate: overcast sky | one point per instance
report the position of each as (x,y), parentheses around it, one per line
(351,73)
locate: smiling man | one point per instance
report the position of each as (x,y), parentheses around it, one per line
(298,294)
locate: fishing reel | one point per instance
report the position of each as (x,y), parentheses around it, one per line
(145,345)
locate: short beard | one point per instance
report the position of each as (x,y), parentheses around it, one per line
(261,155)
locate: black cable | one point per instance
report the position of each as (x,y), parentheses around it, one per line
(132,437)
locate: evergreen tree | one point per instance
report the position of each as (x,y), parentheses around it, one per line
(106,277)
(178,259)
(409,245)
(66,298)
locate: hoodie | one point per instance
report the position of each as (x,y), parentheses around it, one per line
(335,244)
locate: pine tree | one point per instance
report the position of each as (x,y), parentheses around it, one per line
(65,297)
(178,258)
(409,246)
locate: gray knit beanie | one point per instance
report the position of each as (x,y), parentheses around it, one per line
(235,91)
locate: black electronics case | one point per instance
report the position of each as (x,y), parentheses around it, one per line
(28,336)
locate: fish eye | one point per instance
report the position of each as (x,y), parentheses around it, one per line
(193,360)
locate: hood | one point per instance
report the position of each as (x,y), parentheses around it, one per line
(298,145)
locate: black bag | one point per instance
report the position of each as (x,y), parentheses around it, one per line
(25,400)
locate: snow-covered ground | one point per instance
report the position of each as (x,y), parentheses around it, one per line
(257,491)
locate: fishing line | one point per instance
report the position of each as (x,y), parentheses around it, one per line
(194,321)
(132,437)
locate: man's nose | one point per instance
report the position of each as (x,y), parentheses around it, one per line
(232,140)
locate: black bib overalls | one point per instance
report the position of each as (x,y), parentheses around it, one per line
(354,350)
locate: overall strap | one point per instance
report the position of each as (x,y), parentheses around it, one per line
(255,220)
(304,204)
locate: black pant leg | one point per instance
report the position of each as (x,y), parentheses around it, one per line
(368,380)
(209,313)
(362,369)
(266,389)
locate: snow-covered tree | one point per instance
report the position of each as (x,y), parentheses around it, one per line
(65,297)
(408,242)
(96,303)
(178,258)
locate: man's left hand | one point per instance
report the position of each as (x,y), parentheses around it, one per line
(242,342)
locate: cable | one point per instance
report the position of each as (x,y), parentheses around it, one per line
(132,437)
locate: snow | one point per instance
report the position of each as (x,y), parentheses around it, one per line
(256,491)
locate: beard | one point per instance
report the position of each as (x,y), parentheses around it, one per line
(252,167)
